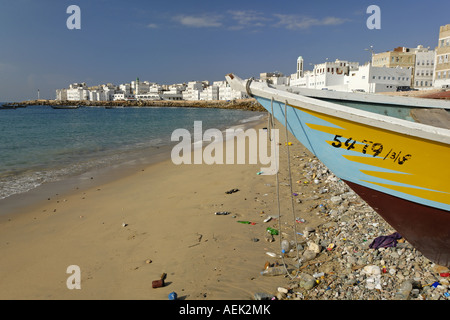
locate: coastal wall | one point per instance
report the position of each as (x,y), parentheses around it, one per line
(245,104)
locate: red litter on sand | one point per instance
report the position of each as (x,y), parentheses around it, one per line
(445,274)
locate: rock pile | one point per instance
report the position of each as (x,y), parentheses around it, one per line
(333,259)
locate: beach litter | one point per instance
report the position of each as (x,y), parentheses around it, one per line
(231,191)
(160,282)
(385,241)
(247,222)
(173,296)
(264,296)
(222,213)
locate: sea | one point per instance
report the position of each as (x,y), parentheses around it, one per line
(39,144)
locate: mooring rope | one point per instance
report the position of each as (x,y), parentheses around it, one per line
(292,195)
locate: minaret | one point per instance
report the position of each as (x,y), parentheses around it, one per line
(299,67)
(137,85)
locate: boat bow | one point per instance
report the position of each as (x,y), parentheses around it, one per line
(399,167)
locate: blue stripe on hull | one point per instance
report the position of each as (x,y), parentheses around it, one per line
(316,142)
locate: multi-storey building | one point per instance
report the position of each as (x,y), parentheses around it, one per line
(400,57)
(442,62)
(424,68)
(77,92)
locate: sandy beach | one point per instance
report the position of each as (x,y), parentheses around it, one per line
(125,231)
(124,234)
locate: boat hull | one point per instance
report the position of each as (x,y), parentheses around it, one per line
(402,177)
(426,228)
(65,107)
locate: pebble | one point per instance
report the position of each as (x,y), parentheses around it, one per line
(338,249)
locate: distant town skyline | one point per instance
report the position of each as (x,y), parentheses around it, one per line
(184,41)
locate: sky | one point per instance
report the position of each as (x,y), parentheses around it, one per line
(174,41)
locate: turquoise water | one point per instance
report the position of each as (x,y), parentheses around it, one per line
(39,144)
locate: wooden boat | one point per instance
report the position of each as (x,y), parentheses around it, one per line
(66,107)
(113,107)
(399,167)
(12,106)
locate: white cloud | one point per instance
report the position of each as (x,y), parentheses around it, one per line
(294,22)
(152,26)
(200,21)
(246,19)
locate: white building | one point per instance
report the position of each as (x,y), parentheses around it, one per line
(424,68)
(137,90)
(77,92)
(148,96)
(61,94)
(193,90)
(343,75)
(378,79)
(140,87)
(276,78)
(123,96)
(327,75)
(97,95)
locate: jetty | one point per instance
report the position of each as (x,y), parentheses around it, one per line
(243,104)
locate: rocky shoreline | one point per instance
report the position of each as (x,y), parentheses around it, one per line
(337,259)
(244,104)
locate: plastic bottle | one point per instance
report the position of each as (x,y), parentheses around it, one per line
(318,274)
(274,271)
(285,246)
(404,291)
(222,213)
(263,296)
(272,231)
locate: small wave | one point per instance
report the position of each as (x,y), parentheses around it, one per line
(251,119)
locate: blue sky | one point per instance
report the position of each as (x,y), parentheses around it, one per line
(179,41)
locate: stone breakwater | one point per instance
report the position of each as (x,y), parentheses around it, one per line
(244,104)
